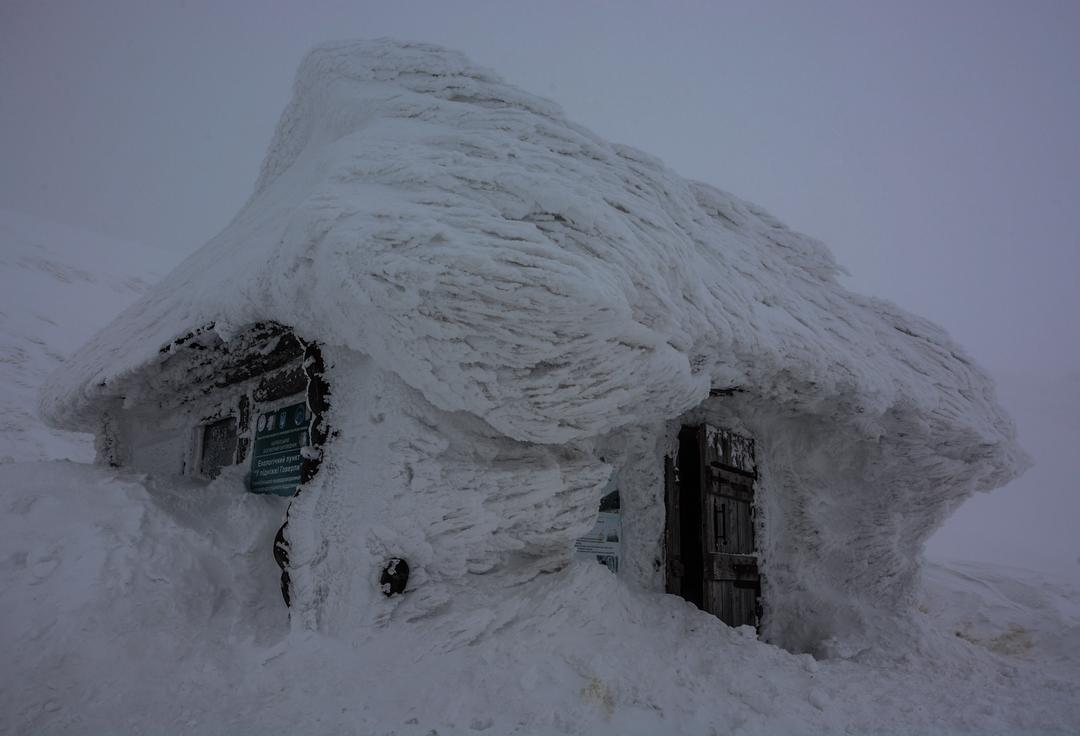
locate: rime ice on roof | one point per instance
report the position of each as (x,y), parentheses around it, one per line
(508,297)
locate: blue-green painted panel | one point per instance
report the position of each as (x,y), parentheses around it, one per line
(275,458)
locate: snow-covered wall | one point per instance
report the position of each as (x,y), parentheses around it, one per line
(503,298)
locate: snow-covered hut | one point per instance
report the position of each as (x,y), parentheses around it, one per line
(452,321)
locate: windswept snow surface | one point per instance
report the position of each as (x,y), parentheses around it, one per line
(504,298)
(134,606)
(60,285)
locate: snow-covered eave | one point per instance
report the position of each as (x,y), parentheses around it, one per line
(994,456)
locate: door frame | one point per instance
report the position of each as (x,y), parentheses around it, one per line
(704,451)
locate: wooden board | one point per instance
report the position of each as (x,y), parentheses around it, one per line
(218,446)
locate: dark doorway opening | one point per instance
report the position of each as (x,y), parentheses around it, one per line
(710,536)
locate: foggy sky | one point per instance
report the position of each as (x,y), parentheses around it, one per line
(934,146)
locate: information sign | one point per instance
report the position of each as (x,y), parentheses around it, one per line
(275,458)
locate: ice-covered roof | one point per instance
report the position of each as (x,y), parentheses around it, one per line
(511,264)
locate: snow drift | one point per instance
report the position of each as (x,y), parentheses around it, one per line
(135,606)
(511,309)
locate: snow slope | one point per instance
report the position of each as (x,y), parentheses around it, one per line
(139,607)
(60,285)
(506,298)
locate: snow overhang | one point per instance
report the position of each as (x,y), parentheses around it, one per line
(508,263)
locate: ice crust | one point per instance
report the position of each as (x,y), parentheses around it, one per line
(504,299)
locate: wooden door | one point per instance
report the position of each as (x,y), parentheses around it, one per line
(732,585)
(710,534)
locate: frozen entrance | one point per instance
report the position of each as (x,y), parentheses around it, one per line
(709,539)
(253,399)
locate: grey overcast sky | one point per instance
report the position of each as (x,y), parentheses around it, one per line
(935,146)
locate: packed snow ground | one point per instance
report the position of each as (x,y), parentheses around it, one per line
(135,606)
